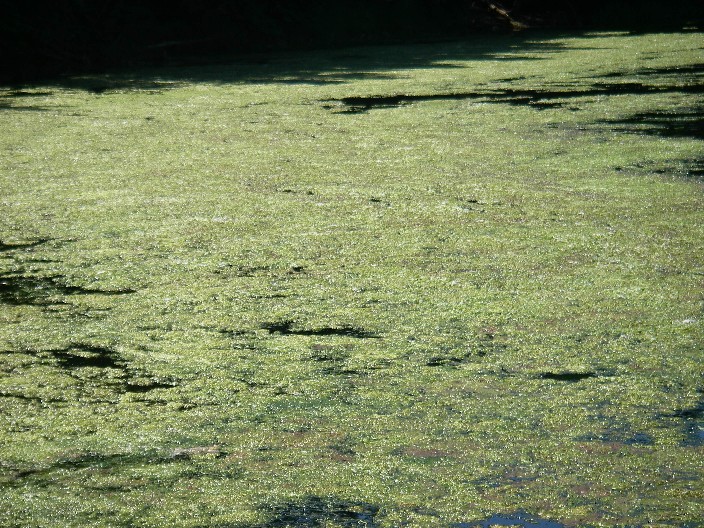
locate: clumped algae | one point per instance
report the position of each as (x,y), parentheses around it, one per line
(453,284)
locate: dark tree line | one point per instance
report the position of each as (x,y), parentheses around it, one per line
(47,38)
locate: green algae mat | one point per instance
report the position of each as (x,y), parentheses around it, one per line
(450,285)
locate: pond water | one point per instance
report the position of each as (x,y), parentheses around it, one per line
(453,284)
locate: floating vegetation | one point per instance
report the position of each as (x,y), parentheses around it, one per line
(213,451)
(482,308)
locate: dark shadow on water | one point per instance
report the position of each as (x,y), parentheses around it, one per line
(359,105)
(680,71)
(120,376)
(24,289)
(304,67)
(83,461)
(687,123)
(696,169)
(568,376)
(10,105)
(142,387)
(10,100)
(614,436)
(519,518)
(318,512)
(692,420)
(63,470)
(333,360)
(27,398)
(79,356)
(689,168)
(150,87)
(466,353)
(539,99)
(288,328)
(383,62)
(22,246)
(23,93)
(692,69)
(695,433)
(98,460)
(695,413)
